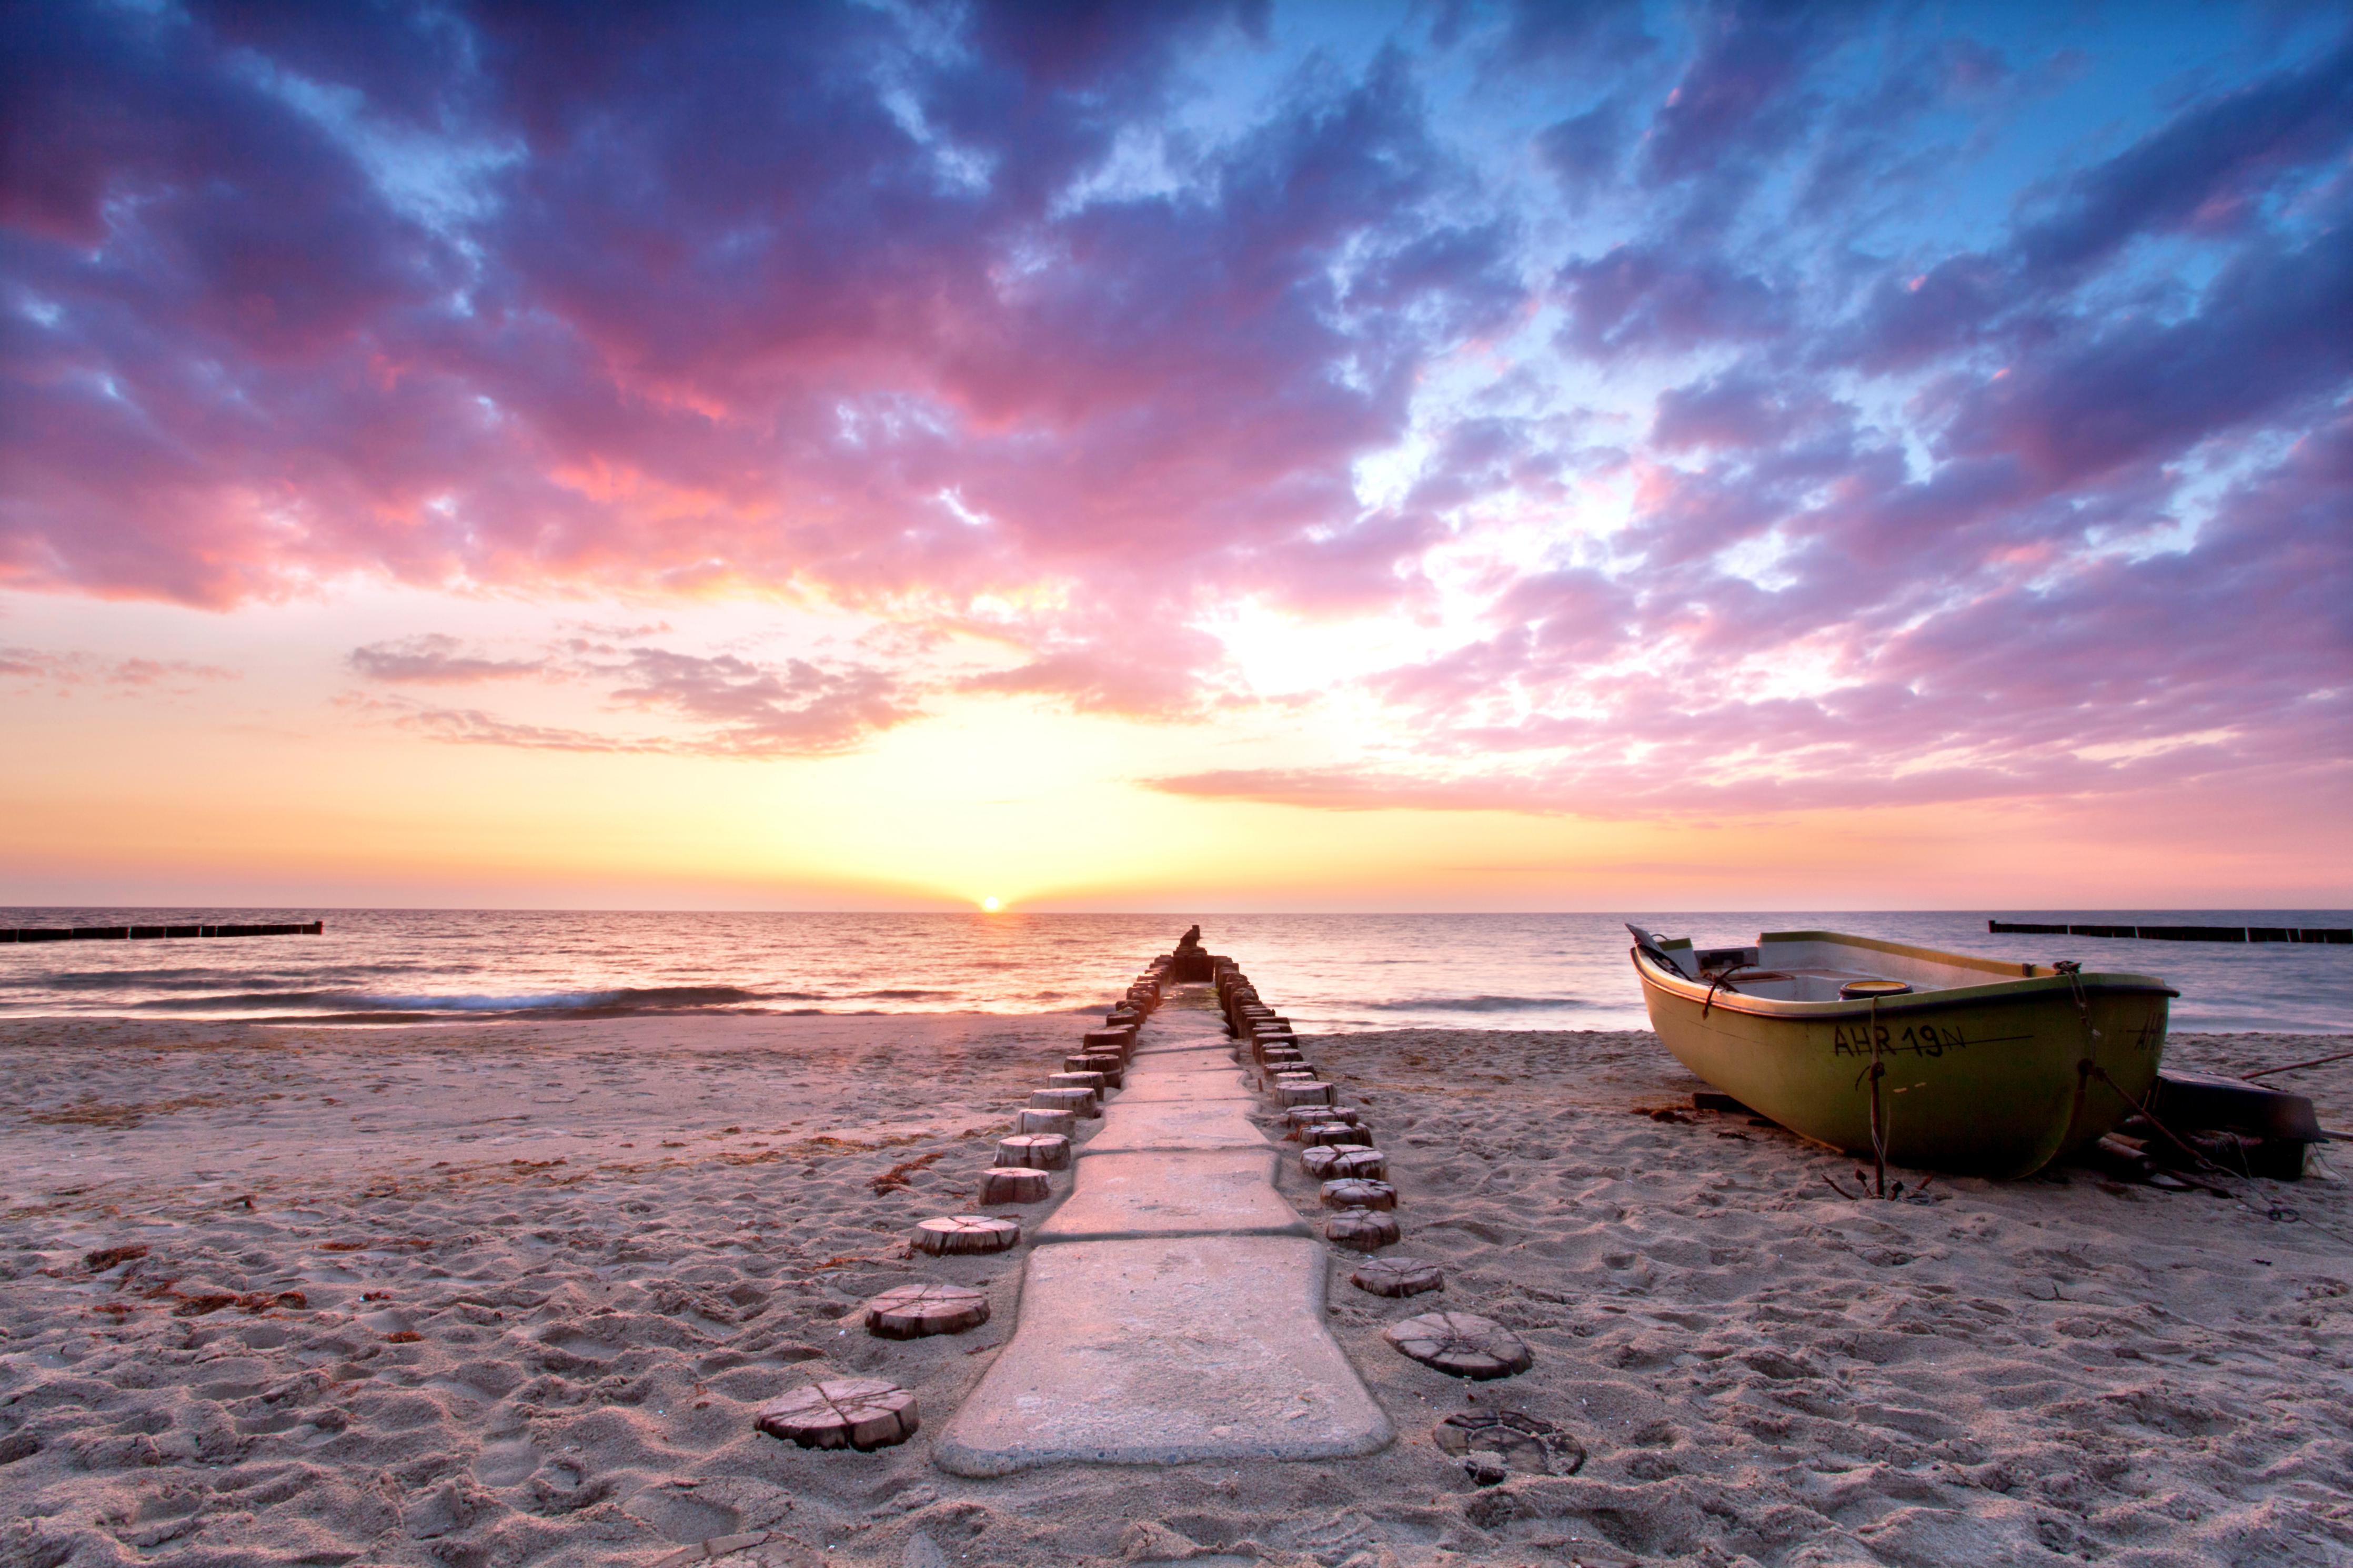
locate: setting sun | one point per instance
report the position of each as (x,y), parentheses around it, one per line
(991,904)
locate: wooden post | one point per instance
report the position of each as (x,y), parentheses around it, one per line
(1396,1277)
(965,1232)
(1106,1063)
(1304,1116)
(1077,1101)
(1320,1161)
(1361,1230)
(1036,1151)
(1353,1193)
(1013,1186)
(861,1412)
(1461,1344)
(916,1312)
(1119,1042)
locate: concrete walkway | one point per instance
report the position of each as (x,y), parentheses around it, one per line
(1173,1308)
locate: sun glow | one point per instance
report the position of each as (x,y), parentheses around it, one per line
(991,904)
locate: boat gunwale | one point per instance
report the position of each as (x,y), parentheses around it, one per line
(2016,990)
(2024,971)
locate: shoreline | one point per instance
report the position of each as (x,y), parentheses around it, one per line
(548,1269)
(445,1023)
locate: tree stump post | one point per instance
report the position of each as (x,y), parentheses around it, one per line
(916,1311)
(1034,1150)
(1361,1230)
(1357,1192)
(965,1232)
(1014,1186)
(860,1412)
(1461,1344)
(1396,1277)
(1317,1160)
(1077,1101)
(1300,1116)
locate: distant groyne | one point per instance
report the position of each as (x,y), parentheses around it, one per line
(146,934)
(2333,936)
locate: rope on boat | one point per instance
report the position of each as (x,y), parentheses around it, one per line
(1723,981)
(1878,1121)
(1872,1074)
(2074,971)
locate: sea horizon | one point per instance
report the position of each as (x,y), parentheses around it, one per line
(1339,972)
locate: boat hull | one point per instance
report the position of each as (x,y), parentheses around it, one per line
(1986,1080)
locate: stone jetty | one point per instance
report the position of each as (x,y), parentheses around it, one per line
(1172,1306)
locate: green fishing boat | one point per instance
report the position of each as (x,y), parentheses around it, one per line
(1958,1063)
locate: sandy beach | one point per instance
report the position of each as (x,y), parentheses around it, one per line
(492,1295)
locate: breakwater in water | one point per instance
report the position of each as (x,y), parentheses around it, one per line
(11,935)
(2331,936)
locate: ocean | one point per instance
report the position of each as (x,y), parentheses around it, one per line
(1328,973)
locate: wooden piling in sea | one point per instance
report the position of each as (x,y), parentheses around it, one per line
(156,933)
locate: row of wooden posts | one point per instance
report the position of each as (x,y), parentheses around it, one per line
(1044,1127)
(1336,1140)
(867,1413)
(1336,1148)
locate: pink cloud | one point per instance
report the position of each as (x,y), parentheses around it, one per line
(67,671)
(718,705)
(656,306)
(2035,679)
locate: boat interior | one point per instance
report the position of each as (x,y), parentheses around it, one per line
(1820,966)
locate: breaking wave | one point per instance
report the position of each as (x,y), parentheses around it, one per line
(1473,1004)
(363,1006)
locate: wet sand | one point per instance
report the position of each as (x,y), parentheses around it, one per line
(511,1294)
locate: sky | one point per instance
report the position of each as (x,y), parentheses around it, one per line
(1435,456)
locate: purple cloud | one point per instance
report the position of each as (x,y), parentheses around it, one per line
(1637,300)
(2206,170)
(1007,322)
(1739,98)
(1583,151)
(1737,410)
(2274,330)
